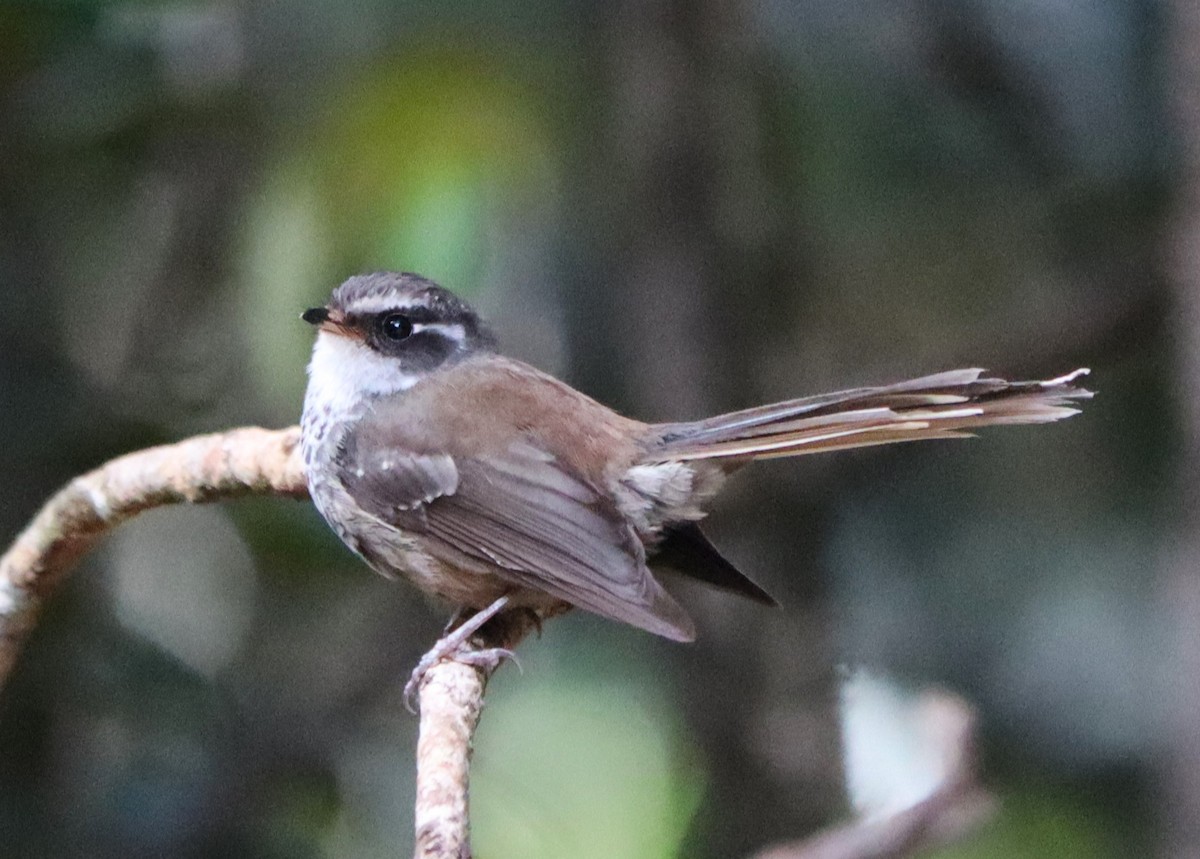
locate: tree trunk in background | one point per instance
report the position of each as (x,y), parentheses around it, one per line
(706,235)
(1181,762)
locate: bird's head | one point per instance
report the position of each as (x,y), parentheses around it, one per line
(382,333)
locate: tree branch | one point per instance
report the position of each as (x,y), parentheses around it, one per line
(957,805)
(240,462)
(451,701)
(255,461)
(229,465)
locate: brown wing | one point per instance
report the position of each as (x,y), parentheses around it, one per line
(517,508)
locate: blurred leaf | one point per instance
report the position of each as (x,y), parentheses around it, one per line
(286,266)
(437,230)
(1039,823)
(581,770)
(413,165)
(430,132)
(299,812)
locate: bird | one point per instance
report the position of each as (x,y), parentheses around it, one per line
(495,486)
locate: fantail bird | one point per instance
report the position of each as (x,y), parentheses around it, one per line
(490,483)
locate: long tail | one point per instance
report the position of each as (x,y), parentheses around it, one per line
(946,405)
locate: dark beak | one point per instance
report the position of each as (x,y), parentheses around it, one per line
(315,315)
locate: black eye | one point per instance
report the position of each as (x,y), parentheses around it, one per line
(396,326)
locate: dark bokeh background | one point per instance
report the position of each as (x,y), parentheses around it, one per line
(681,207)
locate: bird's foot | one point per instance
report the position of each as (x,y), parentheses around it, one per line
(455,645)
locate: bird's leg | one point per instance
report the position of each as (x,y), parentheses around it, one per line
(455,644)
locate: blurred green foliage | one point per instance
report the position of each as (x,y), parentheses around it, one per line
(630,789)
(407,166)
(682,207)
(1041,823)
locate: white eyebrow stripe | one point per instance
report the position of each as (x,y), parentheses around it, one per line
(379,303)
(451,330)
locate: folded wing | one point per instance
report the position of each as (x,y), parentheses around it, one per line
(527,516)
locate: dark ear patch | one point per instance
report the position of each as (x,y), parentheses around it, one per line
(425,350)
(422,350)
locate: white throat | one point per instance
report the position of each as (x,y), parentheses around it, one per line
(344,372)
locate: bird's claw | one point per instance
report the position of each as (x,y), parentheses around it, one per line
(456,646)
(489,658)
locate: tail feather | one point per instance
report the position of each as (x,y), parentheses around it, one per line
(945,405)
